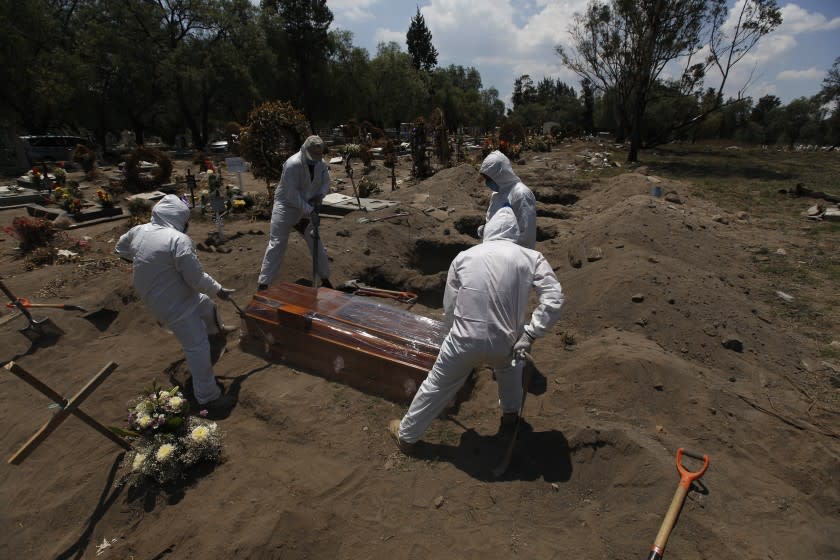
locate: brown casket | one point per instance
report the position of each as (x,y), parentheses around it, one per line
(355,340)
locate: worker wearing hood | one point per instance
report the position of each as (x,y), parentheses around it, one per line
(509,190)
(485,302)
(304,183)
(172,284)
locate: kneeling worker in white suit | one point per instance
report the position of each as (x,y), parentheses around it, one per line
(172,284)
(485,303)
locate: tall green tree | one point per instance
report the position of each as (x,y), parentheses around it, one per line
(39,65)
(419,41)
(306,24)
(399,91)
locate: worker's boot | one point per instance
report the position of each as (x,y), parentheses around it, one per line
(508,422)
(394,430)
(219,406)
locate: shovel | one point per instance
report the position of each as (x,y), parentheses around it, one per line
(657,551)
(35,330)
(502,467)
(267,341)
(315,220)
(360,289)
(66,306)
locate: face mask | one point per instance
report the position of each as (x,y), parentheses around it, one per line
(491,184)
(311,162)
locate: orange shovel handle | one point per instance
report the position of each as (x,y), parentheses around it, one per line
(22,300)
(686,476)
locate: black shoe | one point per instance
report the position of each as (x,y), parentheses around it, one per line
(219,405)
(325,283)
(507,423)
(262,287)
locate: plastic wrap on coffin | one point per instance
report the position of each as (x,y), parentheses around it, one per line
(372,346)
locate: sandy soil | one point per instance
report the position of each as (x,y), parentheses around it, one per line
(309,471)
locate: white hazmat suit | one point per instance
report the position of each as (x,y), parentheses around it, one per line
(511,192)
(485,302)
(172,284)
(303,184)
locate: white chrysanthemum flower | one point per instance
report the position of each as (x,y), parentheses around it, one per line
(139,459)
(141,406)
(175,403)
(200,433)
(144,421)
(164,451)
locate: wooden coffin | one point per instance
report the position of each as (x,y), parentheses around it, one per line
(356,340)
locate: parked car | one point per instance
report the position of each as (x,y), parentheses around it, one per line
(49,147)
(219,146)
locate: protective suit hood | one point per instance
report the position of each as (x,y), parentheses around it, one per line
(312,149)
(497,167)
(502,226)
(170,211)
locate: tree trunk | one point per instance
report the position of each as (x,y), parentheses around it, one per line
(199,139)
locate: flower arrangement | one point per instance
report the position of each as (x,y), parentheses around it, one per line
(158,411)
(166,442)
(60,174)
(105,198)
(214,182)
(166,458)
(36,178)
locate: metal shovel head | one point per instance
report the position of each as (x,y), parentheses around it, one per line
(40,330)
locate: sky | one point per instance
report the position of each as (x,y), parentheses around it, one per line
(504,39)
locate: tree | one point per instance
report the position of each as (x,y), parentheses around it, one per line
(765,104)
(624,45)
(588,94)
(831,83)
(399,92)
(419,40)
(306,25)
(830,93)
(524,91)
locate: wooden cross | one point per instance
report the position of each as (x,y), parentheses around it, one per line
(67,408)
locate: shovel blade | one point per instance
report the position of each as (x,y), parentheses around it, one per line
(40,330)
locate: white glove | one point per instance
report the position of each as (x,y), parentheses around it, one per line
(307,209)
(225,293)
(522,346)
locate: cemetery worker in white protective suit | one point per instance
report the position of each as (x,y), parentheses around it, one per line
(304,183)
(509,190)
(485,302)
(172,284)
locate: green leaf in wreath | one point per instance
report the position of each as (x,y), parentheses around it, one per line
(123,433)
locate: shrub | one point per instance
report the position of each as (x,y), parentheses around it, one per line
(367,187)
(31,232)
(135,181)
(85,157)
(275,131)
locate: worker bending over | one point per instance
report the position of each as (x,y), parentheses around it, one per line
(509,190)
(485,302)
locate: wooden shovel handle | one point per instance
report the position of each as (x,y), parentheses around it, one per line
(657,551)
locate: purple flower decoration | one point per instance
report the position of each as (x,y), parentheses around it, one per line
(203,413)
